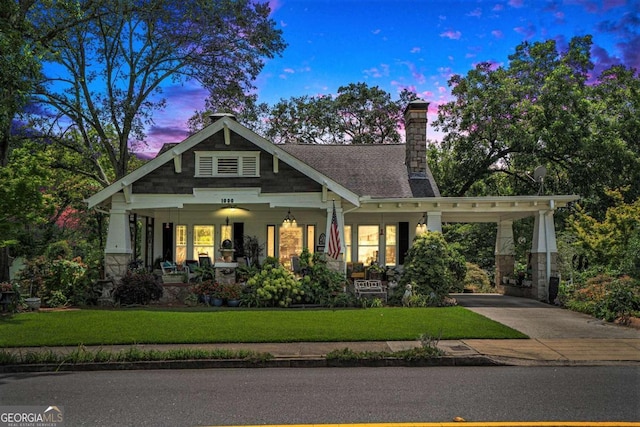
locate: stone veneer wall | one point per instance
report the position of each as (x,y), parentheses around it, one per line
(540,286)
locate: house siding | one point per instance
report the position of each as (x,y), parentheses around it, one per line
(164,180)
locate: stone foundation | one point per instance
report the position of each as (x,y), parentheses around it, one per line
(175,293)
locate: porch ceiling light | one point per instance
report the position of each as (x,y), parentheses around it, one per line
(232,207)
(422,225)
(289,220)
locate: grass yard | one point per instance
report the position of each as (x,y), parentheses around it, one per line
(140,326)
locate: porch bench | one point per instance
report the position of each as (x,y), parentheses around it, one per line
(369,287)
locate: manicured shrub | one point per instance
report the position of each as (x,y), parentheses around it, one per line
(432,267)
(477,279)
(138,288)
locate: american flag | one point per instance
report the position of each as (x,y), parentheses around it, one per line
(334,236)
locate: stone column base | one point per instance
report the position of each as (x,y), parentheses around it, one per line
(115,265)
(505,265)
(540,285)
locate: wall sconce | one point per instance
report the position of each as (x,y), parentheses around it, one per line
(289,220)
(422,225)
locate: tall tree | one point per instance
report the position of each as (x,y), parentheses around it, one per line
(109,71)
(540,109)
(357,114)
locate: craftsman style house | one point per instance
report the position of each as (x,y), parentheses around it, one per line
(226,182)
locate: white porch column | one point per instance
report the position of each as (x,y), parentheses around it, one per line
(505,251)
(434,221)
(544,251)
(118,246)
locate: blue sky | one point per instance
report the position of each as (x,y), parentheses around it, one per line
(415,44)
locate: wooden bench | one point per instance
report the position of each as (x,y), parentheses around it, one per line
(369,287)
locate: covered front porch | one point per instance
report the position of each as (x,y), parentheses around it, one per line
(371,231)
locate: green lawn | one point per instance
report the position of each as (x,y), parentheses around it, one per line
(102,327)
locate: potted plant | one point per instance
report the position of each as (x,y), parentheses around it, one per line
(231,293)
(7,295)
(215,293)
(375,271)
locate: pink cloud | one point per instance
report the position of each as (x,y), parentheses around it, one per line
(376,72)
(477,13)
(452,35)
(498,7)
(497,34)
(289,70)
(527,31)
(415,50)
(415,73)
(516,3)
(612,4)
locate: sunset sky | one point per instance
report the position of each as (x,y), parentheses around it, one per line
(414,44)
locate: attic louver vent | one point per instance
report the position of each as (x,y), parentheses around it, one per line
(227,164)
(205,166)
(249,166)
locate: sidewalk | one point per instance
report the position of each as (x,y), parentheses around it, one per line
(473,352)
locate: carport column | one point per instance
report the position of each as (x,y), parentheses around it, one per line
(434,221)
(117,253)
(505,251)
(544,253)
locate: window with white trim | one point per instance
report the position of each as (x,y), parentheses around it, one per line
(227,164)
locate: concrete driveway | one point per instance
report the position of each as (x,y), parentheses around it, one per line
(540,320)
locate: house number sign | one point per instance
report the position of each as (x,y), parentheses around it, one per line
(226,200)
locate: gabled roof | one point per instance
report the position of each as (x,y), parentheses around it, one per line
(369,170)
(218,126)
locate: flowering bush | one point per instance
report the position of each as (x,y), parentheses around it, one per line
(604,296)
(275,286)
(6,287)
(208,287)
(43,277)
(231,291)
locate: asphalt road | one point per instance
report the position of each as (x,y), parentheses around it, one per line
(332,395)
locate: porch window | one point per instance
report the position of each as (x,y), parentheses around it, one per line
(390,253)
(271,240)
(290,243)
(347,243)
(227,164)
(368,243)
(203,239)
(181,243)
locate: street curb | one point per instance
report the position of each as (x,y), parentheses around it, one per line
(239,363)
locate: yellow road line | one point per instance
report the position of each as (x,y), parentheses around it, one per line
(470,424)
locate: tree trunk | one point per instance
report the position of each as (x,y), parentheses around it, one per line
(4,264)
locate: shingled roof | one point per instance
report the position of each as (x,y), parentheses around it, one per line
(374,170)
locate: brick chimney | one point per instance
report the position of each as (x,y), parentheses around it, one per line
(415,125)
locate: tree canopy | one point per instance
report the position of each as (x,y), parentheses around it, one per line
(542,108)
(357,114)
(109,70)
